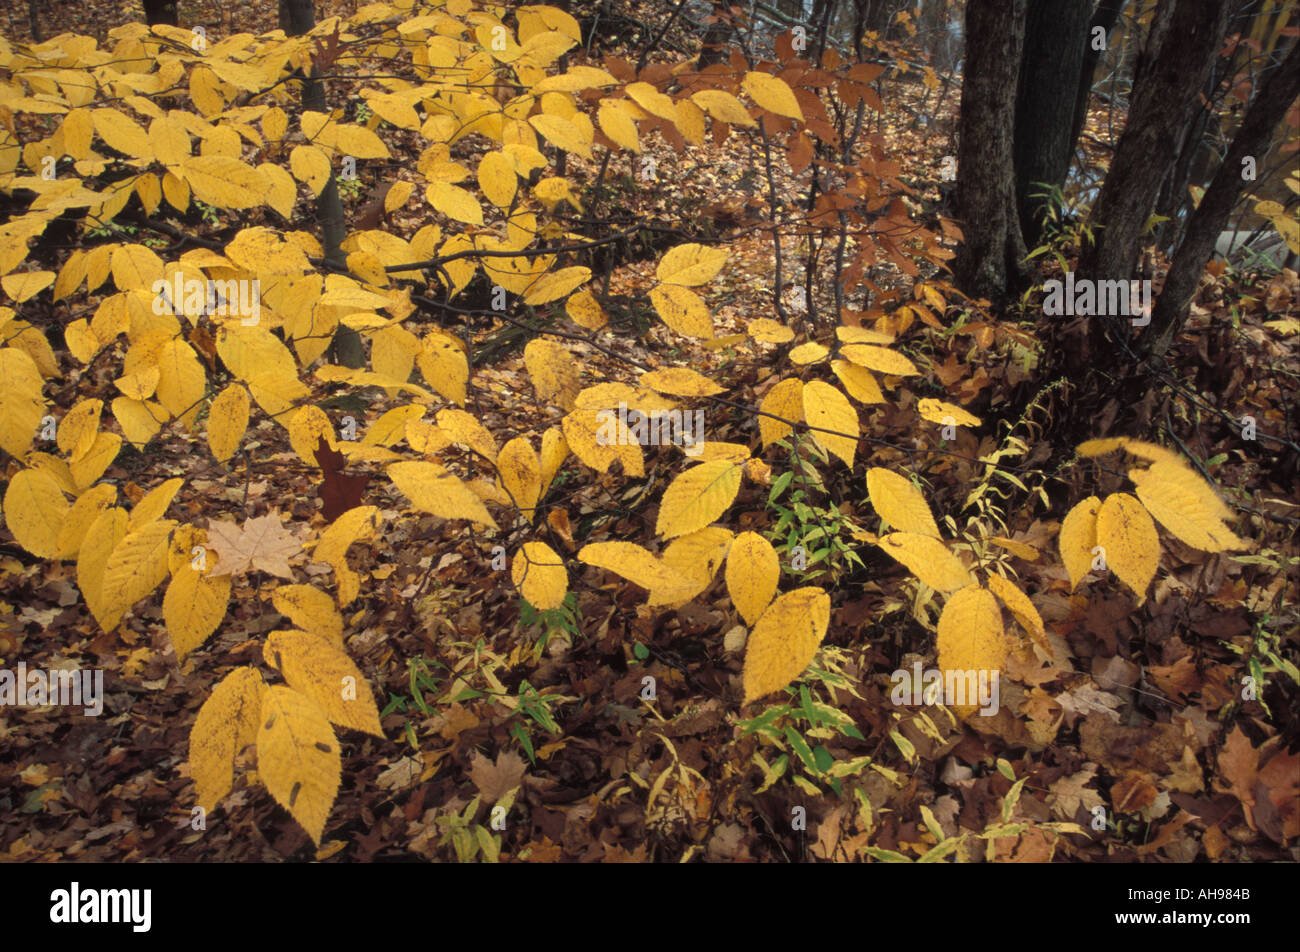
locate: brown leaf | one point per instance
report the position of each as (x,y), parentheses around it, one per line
(494,781)
(261,544)
(1238,765)
(338,493)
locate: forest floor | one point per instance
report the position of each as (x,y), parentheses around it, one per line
(1138,715)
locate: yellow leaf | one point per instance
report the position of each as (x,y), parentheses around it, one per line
(538,572)
(193,608)
(785,400)
(682,310)
(224,182)
(784,641)
(262,251)
(696,557)
(307,426)
(311,166)
(81,517)
(619,126)
(323,672)
(936,411)
(23,285)
(135,267)
(773,94)
(555,285)
(690,264)
(553,371)
(275,393)
(227,421)
(465,428)
(444,365)
(697,497)
(226,724)
(1018,549)
(633,563)
(563,134)
(101,539)
(753,571)
(137,566)
(391,427)
(1186,506)
(298,757)
(355,525)
(554,451)
(35,509)
(1100,447)
(1078,538)
(880,359)
(77,431)
(181,380)
(521,474)
(808,353)
(929,560)
(432,489)
(970,641)
(98,458)
(359,142)
(120,132)
(768,331)
(828,408)
(723,106)
(154,504)
(860,335)
(585,311)
(311,610)
(858,382)
(1022,609)
(652,100)
(583,433)
(22,404)
(497,178)
(899,503)
(1128,537)
(681,381)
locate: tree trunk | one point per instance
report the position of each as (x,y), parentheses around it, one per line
(161,11)
(990,261)
(1277,91)
(1094,351)
(34,20)
(1105,16)
(1056,36)
(296,18)
(1171,72)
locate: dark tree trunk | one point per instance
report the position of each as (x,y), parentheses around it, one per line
(990,261)
(1095,352)
(1171,72)
(161,11)
(298,17)
(1105,16)
(34,19)
(1277,91)
(1056,36)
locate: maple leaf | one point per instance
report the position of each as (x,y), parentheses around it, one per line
(338,492)
(262,544)
(495,780)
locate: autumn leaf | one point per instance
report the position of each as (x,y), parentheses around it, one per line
(784,640)
(261,544)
